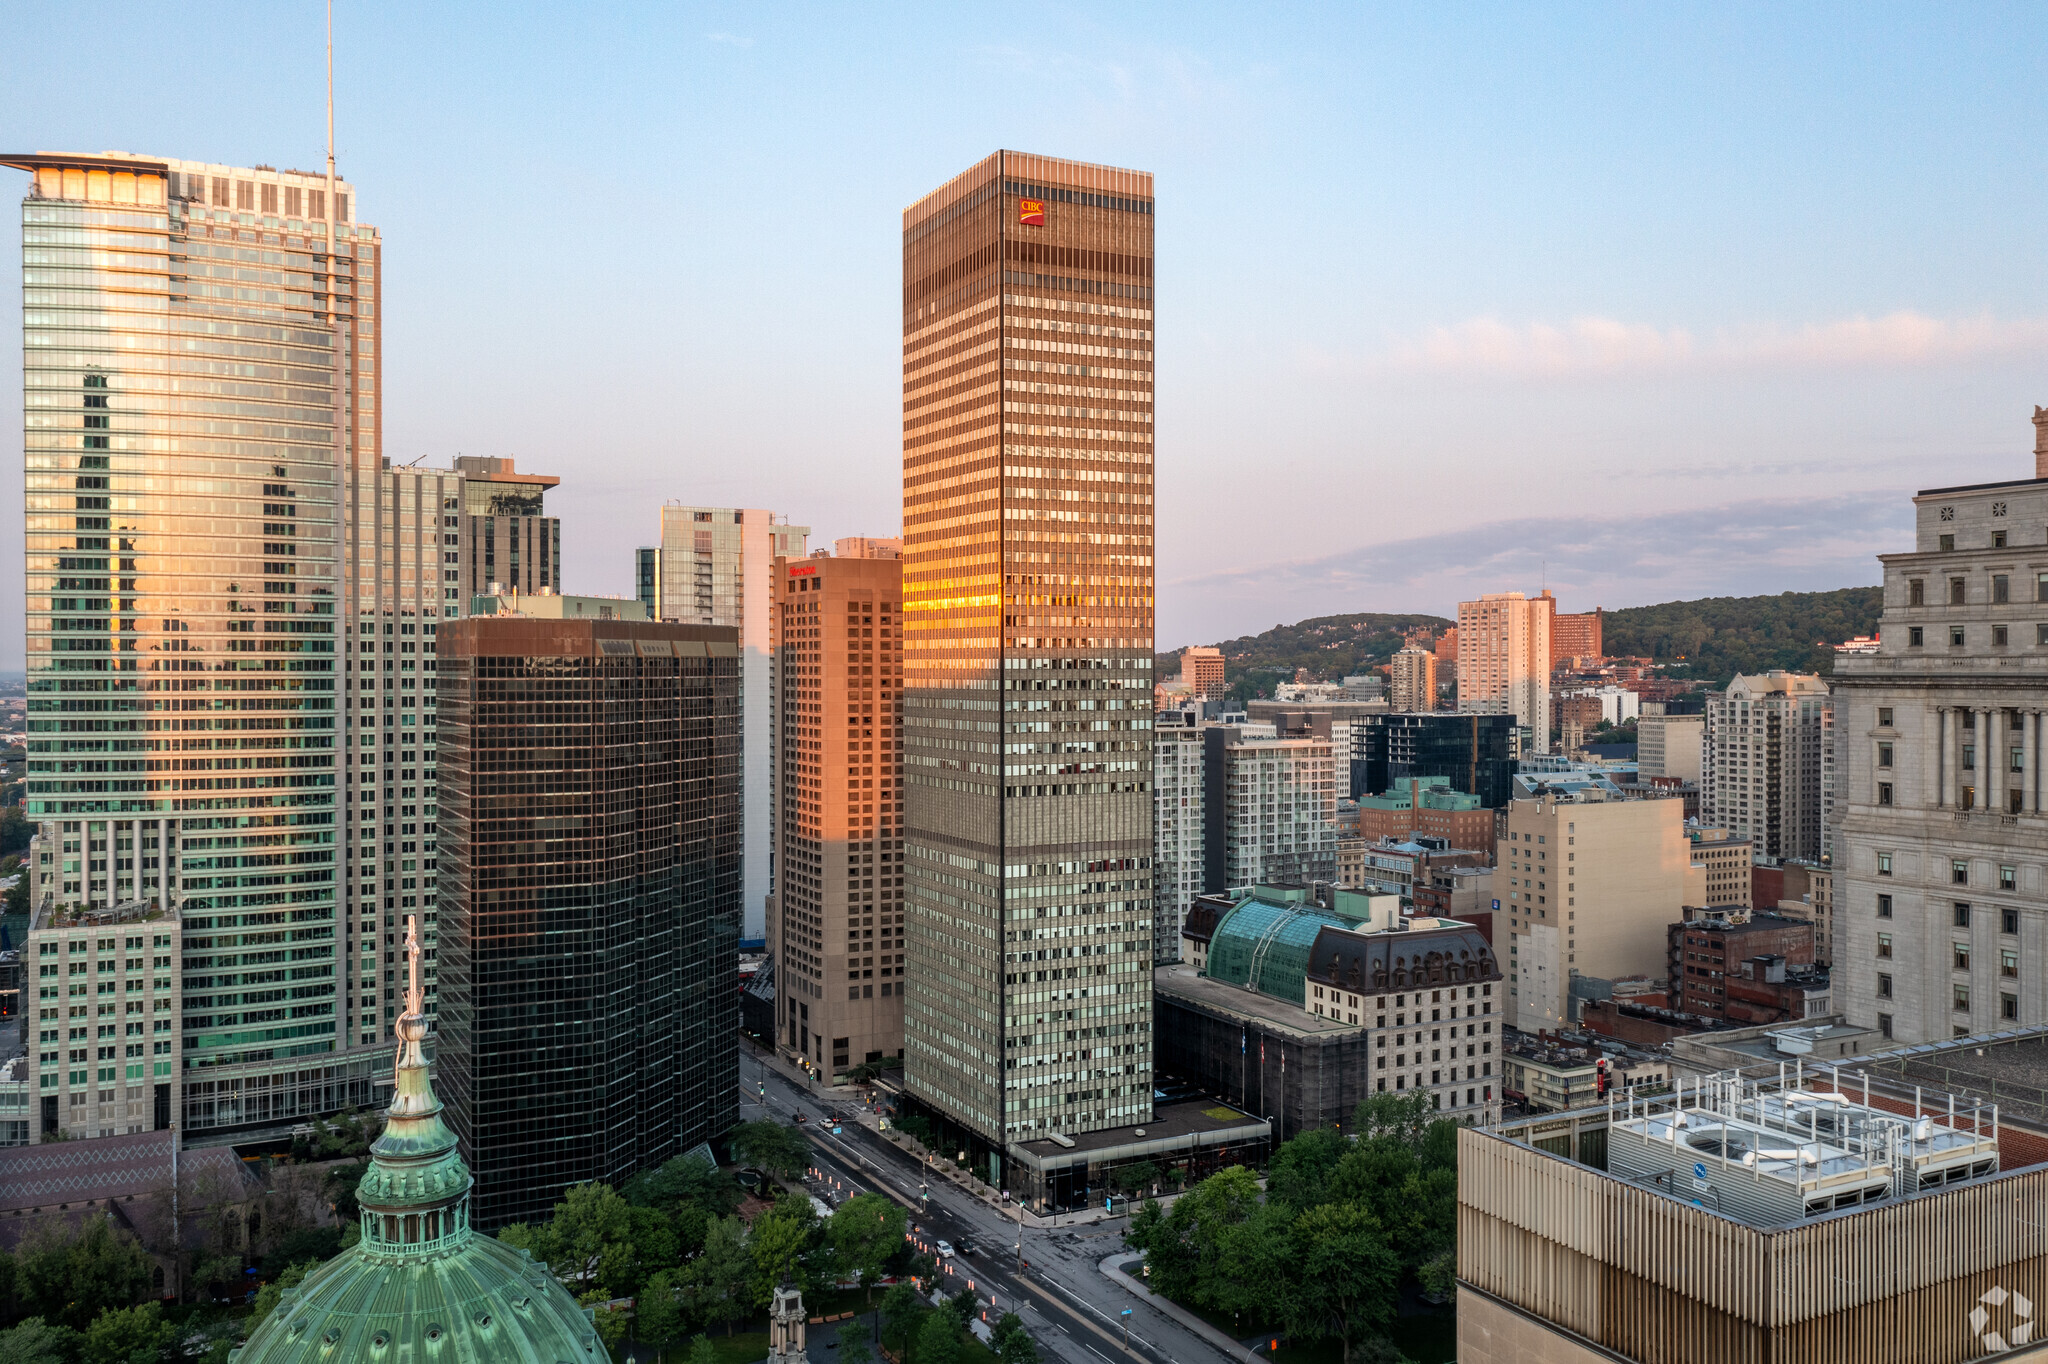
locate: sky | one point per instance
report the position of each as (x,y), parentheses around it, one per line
(1636,302)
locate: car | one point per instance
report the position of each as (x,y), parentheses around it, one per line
(803,1117)
(967,1248)
(945,1249)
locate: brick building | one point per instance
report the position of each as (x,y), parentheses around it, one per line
(1755,968)
(1426,807)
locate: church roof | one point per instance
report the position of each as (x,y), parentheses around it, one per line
(421,1285)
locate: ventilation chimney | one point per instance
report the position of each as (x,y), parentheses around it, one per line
(2041,442)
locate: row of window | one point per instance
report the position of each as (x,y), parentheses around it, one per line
(1959,874)
(2008,919)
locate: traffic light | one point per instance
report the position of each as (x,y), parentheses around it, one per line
(1600,1078)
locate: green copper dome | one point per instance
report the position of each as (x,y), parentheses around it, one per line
(421,1287)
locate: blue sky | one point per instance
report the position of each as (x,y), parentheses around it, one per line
(1646,302)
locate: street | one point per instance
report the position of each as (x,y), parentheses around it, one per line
(1070,1307)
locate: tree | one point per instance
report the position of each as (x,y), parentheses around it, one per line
(938,1340)
(961,1308)
(611,1323)
(591,1220)
(71,1281)
(1185,1247)
(702,1351)
(1439,1276)
(853,1344)
(131,1335)
(1011,1342)
(273,1292)
(658,1311)
(684,1179)
(1136,1177)
(1299,1174)
(722,1272)
(1403,1117)
(865,1232)
(777,1242)
(903,1314)
(340,1189)
(36,1341)
(1347,1279)
(781,1151)
(305,1246)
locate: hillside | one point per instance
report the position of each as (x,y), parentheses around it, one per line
(1328,646)
(1712,638)
(1718,637)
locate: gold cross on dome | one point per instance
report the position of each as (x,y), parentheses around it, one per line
(415,998)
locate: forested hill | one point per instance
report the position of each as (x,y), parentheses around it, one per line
(1717,637)
(1328,646)
(1712,638)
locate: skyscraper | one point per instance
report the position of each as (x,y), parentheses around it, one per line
(716,566)
(1504,660)
(835,922)
(1413,680)
(1768,764)
(201,379)
(1027,582)
(589,897)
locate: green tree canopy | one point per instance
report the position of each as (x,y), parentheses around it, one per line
(938,1340)
(128,1335)
(686,1179)
(36,1341)
(721,1275)
(1348,1279)
(658,1309)
(70,1279)
(866,1231)
(781,1151)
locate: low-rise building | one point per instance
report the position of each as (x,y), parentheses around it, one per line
(1745,968)
(1397,866)
(1300,1004)
(1424,806)
(1724,860)
(1808,892)
(1549,1076)
(104,1026)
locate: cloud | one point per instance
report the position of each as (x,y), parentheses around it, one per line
(1739,549)
(729,39)
(1593,347)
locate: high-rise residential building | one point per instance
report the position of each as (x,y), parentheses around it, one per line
(1412,679)
(1939,873)
(1579,636)
(1591,884)
(1271,810)
(1179,804)
(589,897)
(1447,657)
(1504,660)
(1669,745)
(102,1015)
(1201,667)
(716,566)
(201,380)
(1768,764)
(504,540)
(835,922)
(1027,582)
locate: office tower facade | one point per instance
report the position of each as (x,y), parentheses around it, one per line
(1768,764)
(1669,745)
(1504,660)
(201,382)
(103,1015)
(1579,636)
(589,899)
(1027,582)
(716,566)
(1179,825)
(1939,876)
(1412,679)
(835,922)
(1591,885)
(1474,753)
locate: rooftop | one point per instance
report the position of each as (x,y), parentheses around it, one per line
(1173,1127)
(53,915)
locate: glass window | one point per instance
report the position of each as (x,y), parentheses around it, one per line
(1998,637)
(1884,985)
(1956,592)
(1962,916)
(1955,636)
(1884,906)
(1884,1026)
(1961,956)
(1959,872)
(1884,864)
(2000,588)
(1884,716)
(1916,637)
(2009,921)
(2008,878)
(1884,946)
(1916,591)
(2008,1006)
(1962,999)
(1884,755)
(2008,962)
(1884,793)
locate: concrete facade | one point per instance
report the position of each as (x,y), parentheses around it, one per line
(1412,680)
(1504,660)
(1768,764)
(1670,745)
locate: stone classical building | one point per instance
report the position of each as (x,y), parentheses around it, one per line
(1941,859)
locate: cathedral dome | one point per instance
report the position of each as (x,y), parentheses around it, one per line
(421,1287)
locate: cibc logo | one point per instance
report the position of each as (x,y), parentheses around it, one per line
(1031,212)
(2013,1312)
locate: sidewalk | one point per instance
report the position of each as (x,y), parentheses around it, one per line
(1172,1309)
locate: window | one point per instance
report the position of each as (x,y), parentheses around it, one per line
(1884,946)
(1955,636)
(1998,636)
(1884,906)
(2008,1006)
(2041,587)
(2001,590)
(2009,921)
(1884,755)
(1969,757)
(1884,985)
(1916,637)
(1916,591)
(1948,542)
(1884,864)
(2041,634)
(1962,999)
(1997,536)
(1959,873)
(1884,1026)
(1884,716)
(1962,916)
(1884,793)
(1961,956)
(1956,592)
(2008,878)
(2009,963)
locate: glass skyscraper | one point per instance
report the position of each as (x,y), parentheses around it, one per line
(1027,706)
(200,373)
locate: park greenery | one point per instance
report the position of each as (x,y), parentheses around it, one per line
(1717,637)
(1321,1252)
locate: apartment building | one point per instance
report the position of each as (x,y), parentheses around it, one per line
(1504,660)
(103,1012)
(1412,680)
(1669,745)
(1767,764)
(1591,884)
(1201,667)
(1724,860)
(1179,802)
(1271,809)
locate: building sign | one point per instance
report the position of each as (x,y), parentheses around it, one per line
(803,570)
(1031,212)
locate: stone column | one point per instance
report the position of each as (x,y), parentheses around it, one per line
(1991,742)
(1952,757)
(2030,767)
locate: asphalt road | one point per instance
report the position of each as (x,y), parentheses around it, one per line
(1072,1310)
